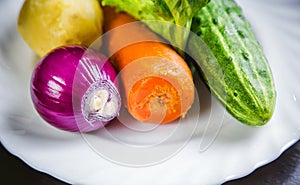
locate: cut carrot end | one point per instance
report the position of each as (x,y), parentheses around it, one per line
(157,82)
(155,100)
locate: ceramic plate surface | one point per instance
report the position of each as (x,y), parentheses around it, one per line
(206,148)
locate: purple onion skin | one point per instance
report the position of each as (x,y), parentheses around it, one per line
(61,81)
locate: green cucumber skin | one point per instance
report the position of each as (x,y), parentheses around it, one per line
(246,85)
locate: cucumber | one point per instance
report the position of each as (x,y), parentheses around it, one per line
(232,62)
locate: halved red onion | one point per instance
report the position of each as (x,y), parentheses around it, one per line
(75,89)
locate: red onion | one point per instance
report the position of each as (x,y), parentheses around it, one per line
(75,89)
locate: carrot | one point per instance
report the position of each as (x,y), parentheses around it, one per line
(157,82)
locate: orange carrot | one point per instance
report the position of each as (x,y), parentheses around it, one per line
(157,82)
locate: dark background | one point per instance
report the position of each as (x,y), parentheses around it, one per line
(284,170)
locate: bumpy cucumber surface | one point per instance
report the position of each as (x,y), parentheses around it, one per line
(236,70)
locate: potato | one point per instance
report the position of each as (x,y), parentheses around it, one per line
(47,24)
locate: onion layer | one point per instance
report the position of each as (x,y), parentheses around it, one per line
(75,89)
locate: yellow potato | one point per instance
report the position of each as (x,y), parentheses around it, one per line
(47,24)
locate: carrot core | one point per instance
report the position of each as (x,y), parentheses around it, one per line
(154,99)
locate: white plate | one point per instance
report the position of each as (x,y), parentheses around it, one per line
(197,153)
